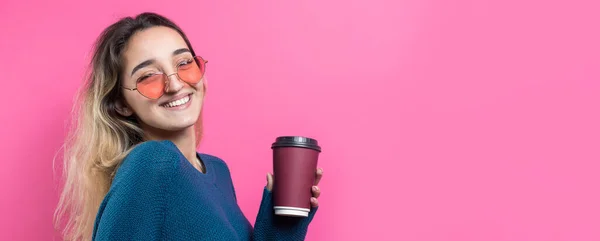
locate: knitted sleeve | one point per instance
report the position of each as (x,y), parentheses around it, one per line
(134,207)
(269,226)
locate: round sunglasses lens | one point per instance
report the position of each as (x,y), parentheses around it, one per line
(192,73)
(152,87)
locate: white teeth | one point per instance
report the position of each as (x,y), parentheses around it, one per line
(178,102)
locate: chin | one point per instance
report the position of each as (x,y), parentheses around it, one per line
(178,124)
(171,127)
(172,123)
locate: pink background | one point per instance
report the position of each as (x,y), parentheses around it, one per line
(439,120)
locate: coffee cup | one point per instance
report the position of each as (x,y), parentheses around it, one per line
(294,167)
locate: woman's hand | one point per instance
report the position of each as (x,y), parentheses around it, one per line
(315,189)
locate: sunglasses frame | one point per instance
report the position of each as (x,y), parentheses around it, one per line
(169,75)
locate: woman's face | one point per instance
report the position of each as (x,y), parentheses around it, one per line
(154,50)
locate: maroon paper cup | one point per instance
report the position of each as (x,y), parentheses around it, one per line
(294,164)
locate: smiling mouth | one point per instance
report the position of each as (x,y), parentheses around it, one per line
(179,102)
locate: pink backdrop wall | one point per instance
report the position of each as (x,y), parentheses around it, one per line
(439,120)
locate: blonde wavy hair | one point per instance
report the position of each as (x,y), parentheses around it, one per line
(100,138)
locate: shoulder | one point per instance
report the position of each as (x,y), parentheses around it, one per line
(149,160)
(154,150)
(139,194)
(216,161)
(211,158)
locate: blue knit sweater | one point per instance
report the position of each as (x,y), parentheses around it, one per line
(157,194)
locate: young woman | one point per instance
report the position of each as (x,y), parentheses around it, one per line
(132,170)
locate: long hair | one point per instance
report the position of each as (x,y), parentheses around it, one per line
(101,138)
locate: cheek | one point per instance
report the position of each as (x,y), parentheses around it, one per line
(137,102)
(204,82)
(201,87)
(199,90)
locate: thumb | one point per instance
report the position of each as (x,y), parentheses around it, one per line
(269,181)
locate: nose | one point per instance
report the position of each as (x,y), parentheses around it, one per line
(174,84)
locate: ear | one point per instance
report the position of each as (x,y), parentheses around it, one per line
(123,109)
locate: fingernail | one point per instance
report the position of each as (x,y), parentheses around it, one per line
(315,188)
(312,199)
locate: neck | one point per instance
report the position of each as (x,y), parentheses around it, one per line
(185,140)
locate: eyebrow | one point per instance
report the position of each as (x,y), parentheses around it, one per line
(151,61)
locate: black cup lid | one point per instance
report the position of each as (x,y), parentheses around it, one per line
(296,141)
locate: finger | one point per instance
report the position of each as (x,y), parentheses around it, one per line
(269,181)
(314,202)
(318,176)
(316,191)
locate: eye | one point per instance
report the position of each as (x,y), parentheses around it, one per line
(145,77)
(185,63)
